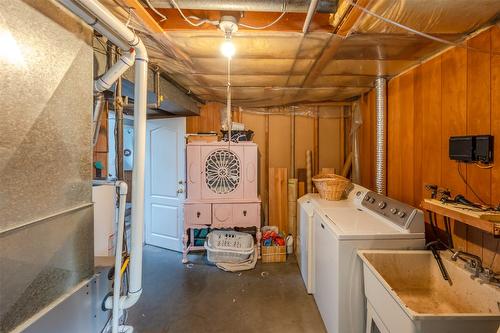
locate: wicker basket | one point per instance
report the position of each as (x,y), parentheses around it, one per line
(273,253)
(330,186)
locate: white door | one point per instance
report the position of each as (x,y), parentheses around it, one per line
(165,179)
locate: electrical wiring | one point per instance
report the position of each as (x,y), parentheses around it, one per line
(487,166)
(186,18)
(212,22)
(100,42)
(203,21)
(163,17)
(467,184)
(264,26)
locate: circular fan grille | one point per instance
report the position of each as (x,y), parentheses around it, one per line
(222,170)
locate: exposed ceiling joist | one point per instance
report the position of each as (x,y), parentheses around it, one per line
(350,17)
(143,14)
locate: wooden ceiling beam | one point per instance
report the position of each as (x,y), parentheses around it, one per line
(144,15)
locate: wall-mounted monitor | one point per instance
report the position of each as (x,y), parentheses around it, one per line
(471,148)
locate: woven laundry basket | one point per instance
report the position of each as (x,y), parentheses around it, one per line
(330,186)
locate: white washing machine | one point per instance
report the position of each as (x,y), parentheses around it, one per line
(370,221)
(306,207)
(304,251)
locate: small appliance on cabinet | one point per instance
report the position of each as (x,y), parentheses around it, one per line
(221,189)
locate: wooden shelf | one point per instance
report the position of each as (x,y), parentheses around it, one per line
(486,221)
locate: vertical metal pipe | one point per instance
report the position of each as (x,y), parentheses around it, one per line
(119,130)
(118,107)
(156,84)
(380,141)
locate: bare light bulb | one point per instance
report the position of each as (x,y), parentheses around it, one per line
(9,49)
(227,48)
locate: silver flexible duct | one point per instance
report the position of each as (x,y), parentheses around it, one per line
(380,142)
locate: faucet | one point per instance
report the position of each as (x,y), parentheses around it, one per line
(474,264)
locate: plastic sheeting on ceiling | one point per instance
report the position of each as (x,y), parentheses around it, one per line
(270,68)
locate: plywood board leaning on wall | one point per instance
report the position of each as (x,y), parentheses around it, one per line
(278,198)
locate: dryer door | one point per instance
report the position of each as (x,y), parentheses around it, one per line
(326,277)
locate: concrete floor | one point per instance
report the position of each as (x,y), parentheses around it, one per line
(201,298)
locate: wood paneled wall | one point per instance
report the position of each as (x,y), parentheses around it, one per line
(272,133)
(366,137)
(454,93)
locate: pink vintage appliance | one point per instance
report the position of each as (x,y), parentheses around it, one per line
(221,189)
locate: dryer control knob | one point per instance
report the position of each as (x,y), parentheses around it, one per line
(394,211)
(382,204)
(402,214)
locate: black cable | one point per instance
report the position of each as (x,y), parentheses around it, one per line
(470,187)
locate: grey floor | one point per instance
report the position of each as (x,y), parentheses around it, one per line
(201,298)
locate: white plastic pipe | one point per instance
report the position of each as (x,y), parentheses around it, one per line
(87,17)
(309,16)
(107,79)
(99,17)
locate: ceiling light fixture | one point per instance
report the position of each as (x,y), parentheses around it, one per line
(228,25)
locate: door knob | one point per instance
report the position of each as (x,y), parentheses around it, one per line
(244,213)
(198,214)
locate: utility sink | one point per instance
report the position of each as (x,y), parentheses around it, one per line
(406,292)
